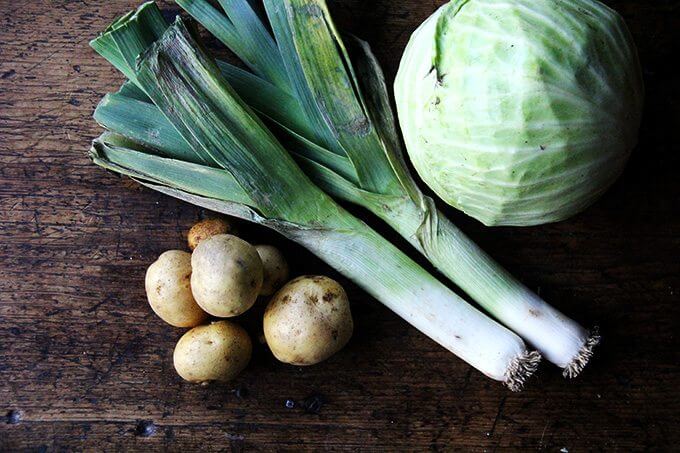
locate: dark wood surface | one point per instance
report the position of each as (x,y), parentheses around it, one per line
(84,364)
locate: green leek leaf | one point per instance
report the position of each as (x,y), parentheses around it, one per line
(119,155)
(145,124)
(185,83)
(241,30)
(130,35)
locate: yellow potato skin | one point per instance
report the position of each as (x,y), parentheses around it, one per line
(275,268)
(214,352)
(308,320)
(207,228)
(168,290)
(226,275)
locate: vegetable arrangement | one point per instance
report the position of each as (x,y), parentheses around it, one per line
(311,118)
(253,177)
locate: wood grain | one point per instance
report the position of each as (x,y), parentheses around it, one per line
(84,362)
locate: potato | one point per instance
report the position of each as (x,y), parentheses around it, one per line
(308,320)
(275,269)
(227,275)
(207,228)
(168,290)
(216,352)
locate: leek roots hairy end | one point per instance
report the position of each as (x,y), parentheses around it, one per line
(521,369)
(583,357)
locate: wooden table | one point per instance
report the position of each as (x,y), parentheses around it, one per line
(84,364)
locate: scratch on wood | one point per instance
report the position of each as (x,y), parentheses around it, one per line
(498,416)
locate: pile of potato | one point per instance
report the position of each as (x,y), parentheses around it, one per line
(306,321)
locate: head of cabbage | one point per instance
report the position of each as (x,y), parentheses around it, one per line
(520,112)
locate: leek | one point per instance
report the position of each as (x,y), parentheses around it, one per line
(338,123)
(239,168)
